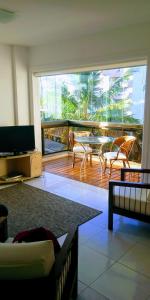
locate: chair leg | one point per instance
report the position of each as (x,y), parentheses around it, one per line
(110,220)
(105,165)
(124,164)
(110,168)
(128,163)
(90,159)
(73,161)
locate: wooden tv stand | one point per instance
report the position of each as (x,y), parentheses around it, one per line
(28,165)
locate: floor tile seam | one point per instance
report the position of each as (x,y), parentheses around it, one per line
(130,268)
(82,282)
(135,244)
(106,270)
(94,290)
(86,286)
(102,253)
(126,251)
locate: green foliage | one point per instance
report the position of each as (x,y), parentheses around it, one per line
(69,103)
(94,104)
(91,102)
(114,113)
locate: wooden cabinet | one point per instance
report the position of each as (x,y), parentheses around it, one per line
(28,165)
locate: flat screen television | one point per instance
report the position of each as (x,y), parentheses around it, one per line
(17,139)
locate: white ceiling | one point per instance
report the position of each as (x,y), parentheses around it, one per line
(40,22)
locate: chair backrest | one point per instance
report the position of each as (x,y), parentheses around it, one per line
(127,145)
(119,141)
(73,134)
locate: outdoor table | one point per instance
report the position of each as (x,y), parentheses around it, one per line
(93,140)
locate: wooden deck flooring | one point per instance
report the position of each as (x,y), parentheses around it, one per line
(92,174)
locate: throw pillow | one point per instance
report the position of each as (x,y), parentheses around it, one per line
(37,234)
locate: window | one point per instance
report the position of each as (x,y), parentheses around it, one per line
(115,95)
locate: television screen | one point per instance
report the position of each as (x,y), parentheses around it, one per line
(17,139)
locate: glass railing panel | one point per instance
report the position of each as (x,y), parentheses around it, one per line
(55,139)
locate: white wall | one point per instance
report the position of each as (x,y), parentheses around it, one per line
(14,93)
(15,106)
(6,87)
(101,49)
(20,79)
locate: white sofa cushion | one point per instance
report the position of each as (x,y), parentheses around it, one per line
(132,199)
(26,260)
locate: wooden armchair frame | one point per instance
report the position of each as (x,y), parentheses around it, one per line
(113,209)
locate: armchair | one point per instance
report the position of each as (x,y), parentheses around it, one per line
(60,284)
(130,198)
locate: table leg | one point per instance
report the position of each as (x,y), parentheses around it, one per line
(84,159)
(100,155)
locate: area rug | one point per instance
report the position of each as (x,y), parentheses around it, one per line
(31,207)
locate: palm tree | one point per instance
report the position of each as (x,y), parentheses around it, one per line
(90,102)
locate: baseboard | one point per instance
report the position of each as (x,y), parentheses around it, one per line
(53,156)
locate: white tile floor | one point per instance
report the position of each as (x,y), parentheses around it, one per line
(112,265)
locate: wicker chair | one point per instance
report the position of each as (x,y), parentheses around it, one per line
(130,197)
(124,145)
(76,148)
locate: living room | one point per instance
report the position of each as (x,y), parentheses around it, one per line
(54,37)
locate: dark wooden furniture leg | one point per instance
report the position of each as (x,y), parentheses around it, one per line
(3,229)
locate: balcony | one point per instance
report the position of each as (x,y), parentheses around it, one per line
(57,158)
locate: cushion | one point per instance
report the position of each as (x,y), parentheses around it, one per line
(82,149)
(26,260)
(113,155)
(133,199)
(37,234)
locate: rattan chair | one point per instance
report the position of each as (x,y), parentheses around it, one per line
(124,145)
(76,148)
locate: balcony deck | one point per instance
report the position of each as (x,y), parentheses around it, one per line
(92,175)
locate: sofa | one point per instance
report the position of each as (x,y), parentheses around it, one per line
(59,283)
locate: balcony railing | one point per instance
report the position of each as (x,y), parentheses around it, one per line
(55,134)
